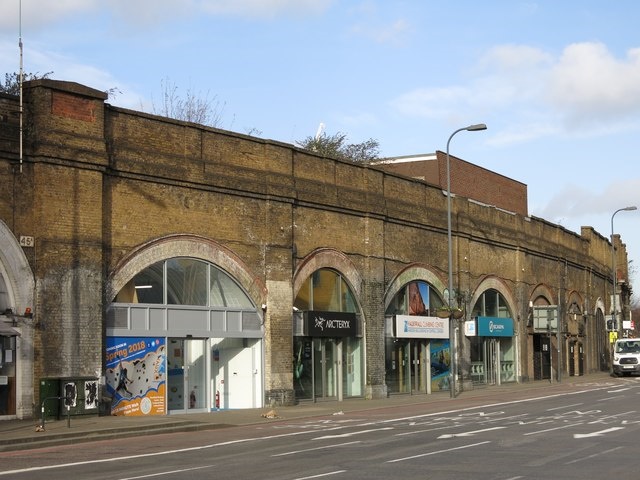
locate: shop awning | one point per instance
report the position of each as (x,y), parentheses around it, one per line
(8,331)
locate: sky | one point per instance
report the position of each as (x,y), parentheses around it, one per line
(556,82)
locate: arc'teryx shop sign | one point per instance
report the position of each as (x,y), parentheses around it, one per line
(329,324)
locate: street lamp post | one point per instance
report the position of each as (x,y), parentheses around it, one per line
(613,267)
(452,340)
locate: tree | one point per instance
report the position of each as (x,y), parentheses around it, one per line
(190,108)
(11,83)
(336,146)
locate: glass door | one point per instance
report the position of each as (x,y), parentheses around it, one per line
(186,368)
(399,370)
(325,368)
(352,371)
(303,367)
(490,360)
(419,365)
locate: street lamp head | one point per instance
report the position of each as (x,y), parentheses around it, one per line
(633,207)
(476,127)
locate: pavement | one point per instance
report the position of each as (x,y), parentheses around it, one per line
(28,434)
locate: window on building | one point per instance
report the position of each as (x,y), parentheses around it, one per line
(188,281)
(415,298)
(326,290)
(491,304)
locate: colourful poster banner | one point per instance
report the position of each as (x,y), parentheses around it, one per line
(136,375)
(440,364)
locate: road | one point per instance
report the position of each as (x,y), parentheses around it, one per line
(588,431)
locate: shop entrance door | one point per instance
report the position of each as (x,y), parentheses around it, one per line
(491,359)
(541,357)
(327,371)
(580,359)
(419,365)
(408,371)
(186,368)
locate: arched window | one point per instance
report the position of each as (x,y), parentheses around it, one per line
(184,281)
(491,304)
(415,298)
(326,290)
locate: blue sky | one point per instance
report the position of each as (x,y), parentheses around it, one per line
(556,82)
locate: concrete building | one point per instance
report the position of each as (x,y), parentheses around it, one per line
(170,267)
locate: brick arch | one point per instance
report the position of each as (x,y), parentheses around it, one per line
(573,314)
(542,290)
(412,273)
(599,305)
(185,246)
(15,269)
(494,283)
(328,258)
(575,298)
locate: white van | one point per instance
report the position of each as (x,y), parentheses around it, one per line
(626,356)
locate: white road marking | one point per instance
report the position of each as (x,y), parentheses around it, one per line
(605,452)
(552,429)
(321,475)
(564,406)
(438,415)
(511,402)
(437,452)
(414,432)
(351,434)
(597,434)
(606,418)
(481,414)
(578,412)
(154,454)
(312,449)
(468,434)
(167,473)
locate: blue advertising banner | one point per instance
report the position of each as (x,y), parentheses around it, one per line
(495,327)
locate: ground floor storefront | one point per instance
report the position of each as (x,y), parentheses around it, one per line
(158,375)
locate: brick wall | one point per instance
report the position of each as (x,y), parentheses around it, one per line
(101,181)
(467,180)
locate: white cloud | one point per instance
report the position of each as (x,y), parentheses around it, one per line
(515,60)
(358,120)
(394,33)
(374,24)
(262,8)
(515,134)
(433,102)
(592,86)
(64,68)
(540,95)
(38,13)
(576,202)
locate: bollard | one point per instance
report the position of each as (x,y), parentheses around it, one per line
(41,429)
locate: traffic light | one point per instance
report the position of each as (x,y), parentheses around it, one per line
(612,325)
